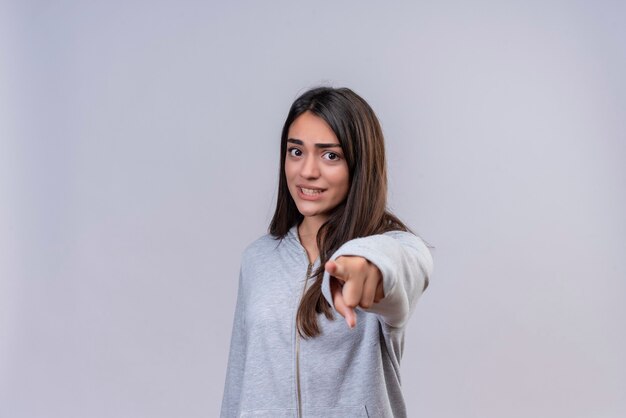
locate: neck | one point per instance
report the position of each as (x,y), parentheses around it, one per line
(310,226)
(307,231)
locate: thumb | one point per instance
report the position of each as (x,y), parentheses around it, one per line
(340,305)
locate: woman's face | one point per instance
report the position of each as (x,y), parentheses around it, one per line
(315,167)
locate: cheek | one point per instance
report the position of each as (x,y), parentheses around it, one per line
(341,180)
(346,189)
(289,169)
(346,181)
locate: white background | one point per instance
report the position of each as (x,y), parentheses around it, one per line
(139,147)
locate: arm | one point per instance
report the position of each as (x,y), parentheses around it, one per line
(236,359)
(405,264)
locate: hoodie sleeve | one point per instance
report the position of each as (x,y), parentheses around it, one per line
(236,359)
(406,265)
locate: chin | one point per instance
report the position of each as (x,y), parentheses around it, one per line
(308,213)
(307,210)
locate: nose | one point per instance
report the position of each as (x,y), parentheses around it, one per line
(310,169)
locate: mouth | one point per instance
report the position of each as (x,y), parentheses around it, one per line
(310,194)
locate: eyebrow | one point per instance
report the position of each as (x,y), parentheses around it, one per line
(299,142)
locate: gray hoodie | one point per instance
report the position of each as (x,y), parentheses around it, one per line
(342,373)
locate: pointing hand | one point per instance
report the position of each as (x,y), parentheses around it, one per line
(354,281)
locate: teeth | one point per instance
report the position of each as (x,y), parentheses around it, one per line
(310,192)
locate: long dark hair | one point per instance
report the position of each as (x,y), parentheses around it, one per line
(364,210)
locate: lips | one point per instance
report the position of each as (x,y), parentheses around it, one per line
(309,194)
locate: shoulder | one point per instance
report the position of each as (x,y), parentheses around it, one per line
(408,239)
(260,247)
(414,245)
(260,244)
(397,245)
(261,256)
(394,238)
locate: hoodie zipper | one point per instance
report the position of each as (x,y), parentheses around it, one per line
(299,397)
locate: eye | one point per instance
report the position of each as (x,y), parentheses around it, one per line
(294,152)
(332,156)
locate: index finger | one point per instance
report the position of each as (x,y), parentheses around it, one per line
(337,269)
(340,305)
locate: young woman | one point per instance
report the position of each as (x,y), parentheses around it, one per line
(332,248)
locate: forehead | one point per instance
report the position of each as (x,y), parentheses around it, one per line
(311,128)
